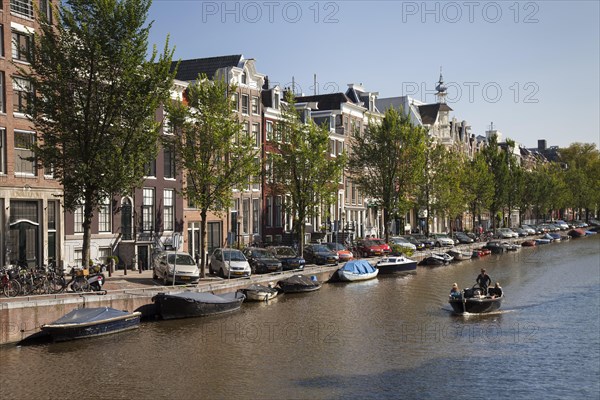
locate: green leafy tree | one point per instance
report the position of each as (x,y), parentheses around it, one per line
(211,150)
(497,161)
(302,167)
(96,98)
(386,162)
(478,187)
(582,163)
(451,199)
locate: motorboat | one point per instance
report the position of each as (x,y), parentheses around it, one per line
(481,252)
(512,246)
(528,243)
(258,292)
(460,255)
(542,240)
(396,264)
(576,233)
(555,236)
(437,259)
(89,322)
(196,304)
(496,246)
(357,270)
(475,301)
(299,284)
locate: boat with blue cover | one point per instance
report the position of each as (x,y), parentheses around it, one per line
(357,270)
(193,304)
(89,322)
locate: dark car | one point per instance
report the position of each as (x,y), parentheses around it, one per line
(418,244)
(288,257)
(367,248)
(463,238)
(320,254)
(261,260)
(428,242)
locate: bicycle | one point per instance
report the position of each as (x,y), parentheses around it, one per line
(10,286)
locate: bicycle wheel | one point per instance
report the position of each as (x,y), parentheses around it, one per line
(57,284)
(12,288)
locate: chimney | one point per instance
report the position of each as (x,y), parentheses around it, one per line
(542,144)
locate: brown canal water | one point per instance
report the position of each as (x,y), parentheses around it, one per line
(392,337)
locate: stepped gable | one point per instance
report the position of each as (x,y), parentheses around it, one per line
(190,69)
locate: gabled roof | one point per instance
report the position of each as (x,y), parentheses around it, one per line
(429,112)
(330,101)
(190,69)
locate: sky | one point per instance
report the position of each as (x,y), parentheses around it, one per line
(532,68)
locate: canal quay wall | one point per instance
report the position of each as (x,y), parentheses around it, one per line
(22,317)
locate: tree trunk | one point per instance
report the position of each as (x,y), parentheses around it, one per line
(203,242)
(88,214)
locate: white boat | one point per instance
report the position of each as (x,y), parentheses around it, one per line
(357,270)
(460,255)
(259,292)
(396,264)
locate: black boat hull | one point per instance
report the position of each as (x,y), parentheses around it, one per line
(82,331)
(476,305)
(172,307)
(399,268)
(299,288)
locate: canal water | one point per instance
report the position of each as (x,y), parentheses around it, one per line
(392,337)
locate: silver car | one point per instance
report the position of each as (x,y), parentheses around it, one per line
(171,263)
(229,263)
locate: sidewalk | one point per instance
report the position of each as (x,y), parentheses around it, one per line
(137,280)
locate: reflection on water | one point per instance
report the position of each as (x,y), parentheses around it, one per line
(389,337)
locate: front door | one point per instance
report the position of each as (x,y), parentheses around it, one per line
(143,258)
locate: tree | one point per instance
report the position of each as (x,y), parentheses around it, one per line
(211,150)
(302,167)
(451,199)
(96,98)
(497,162)
(582,163)
(478,186)
(386,162)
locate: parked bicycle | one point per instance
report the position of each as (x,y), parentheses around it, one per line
(10,286)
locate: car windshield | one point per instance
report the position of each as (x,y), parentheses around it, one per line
(285,251)
(233,255)
(182,259)
(336,246)
(261,253)
(320,248)
(369,243)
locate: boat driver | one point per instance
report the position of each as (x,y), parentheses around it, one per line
(483,280)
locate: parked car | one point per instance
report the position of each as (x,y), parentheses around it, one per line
(594,222)
(229,263)
(385,248)
(521,232)
(288,257)
(505,233)
(530,229)
(427,242)
(343,253)
(261,260)
(418,244)
(561,224)
(182,265)
(320,254)
(462,238)
(403,243)
(367,248)
(441,239)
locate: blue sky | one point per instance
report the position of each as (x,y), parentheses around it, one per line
(530,67)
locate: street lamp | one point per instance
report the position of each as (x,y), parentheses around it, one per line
(343,225)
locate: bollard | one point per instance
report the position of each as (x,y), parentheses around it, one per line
(124,269)
(111,267)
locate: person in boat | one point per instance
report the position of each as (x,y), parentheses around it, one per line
(496,291)
(455,292)
(483,280)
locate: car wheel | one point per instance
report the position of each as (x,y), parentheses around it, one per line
(438,244)
(221,273)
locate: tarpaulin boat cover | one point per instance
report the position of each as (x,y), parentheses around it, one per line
(260,288)
(299,280)
(358,267)
(204,297)
(85,315)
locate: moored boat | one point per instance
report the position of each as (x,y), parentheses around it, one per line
(542,241)
(576,233)
(396,264)
(481,252)
(357,270)
(528,243)
(474,301)
(437,259)
(460,255)
(193,304)
(89,322)
(258,292)
(298,284)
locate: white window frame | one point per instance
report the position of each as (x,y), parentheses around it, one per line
(78,220)
(18,160)
(168,210)
(148,200)
(104,216)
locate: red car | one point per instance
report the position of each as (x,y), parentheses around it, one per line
(367,248)
(384,246)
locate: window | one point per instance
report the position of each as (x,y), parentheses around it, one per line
(52,207)
(169,162)
(22,7)
(256,179)
(340,148)
(255,214)
(269,212)
(269,168)
(103,254)
(2,93)
(148,210)
(150,168)
(48,171)
(126,225)
(46,9)
(1,40)
(78,256)
(331,147)
(269,128)
(245,131)
(235,99)
(21,45)
(256,135)
(244,104)
(276,101)
(24,157)
(168,213)
(246,215)
(22,94)
(277,211)
(244,78)
(104,216)
(167,125)
(78,220)
(254,105)
(2,151)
